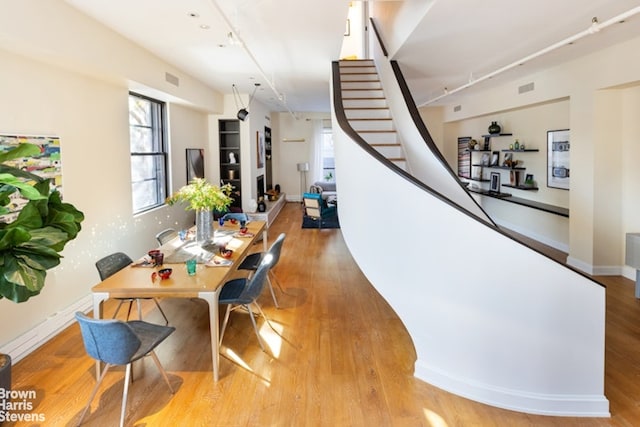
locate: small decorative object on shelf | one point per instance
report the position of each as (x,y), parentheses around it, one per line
(494,128)
(516,145)
(529,182)
(262,206)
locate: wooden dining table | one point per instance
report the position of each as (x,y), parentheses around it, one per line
(138,281)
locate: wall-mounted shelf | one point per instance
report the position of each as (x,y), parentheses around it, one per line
(521,187)
(229,141)
(499,167)
(526,150)
(556,210)
(493,135)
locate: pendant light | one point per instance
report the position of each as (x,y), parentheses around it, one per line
(243,112)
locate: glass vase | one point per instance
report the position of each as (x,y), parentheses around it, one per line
(204,226)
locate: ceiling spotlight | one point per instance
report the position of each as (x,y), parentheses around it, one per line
(242,114)
(595,25)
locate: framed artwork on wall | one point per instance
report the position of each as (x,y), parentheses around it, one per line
(558,150)
(48,164)
(494,185)
(195,164)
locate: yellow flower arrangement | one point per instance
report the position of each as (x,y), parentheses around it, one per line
(201,195)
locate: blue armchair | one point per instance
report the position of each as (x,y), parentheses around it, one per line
(317,208)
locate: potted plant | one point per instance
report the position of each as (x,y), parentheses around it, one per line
(204,198)
(30,244)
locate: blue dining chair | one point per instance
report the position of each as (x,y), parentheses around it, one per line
(115,342)
(252,261)
(244,292)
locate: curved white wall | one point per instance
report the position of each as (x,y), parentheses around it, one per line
(510,327)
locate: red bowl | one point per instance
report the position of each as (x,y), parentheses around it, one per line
(226,253)
(165,273)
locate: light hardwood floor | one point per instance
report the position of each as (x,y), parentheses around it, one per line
(340,358)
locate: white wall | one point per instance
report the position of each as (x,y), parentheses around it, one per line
(288,154)
(68,86)
(596,97)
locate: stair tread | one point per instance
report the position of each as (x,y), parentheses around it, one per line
(358,119)
(352,98)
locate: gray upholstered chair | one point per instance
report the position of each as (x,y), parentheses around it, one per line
(166,235)
(252,261)
(111,264)
(115,342)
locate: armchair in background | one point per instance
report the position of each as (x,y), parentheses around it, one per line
(316,207)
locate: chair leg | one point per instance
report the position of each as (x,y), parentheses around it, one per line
(255,326)
(273,295)
(161,311)
(120,305)
(224,322)
(275,279)
(93,393)
(125,392)
(162,371)
(266,319)
(129,311)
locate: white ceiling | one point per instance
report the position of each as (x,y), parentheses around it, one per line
(288,45)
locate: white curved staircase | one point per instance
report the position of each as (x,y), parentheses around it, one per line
(491,319)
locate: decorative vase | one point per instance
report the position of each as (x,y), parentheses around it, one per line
(204,226)
(262,206)
(494,128)
(253,205)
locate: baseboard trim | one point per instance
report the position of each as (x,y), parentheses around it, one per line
(28,342)
(596,406)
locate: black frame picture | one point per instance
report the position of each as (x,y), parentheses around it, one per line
(494,185)
(558,152)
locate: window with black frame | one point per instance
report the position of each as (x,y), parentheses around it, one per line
(148,152)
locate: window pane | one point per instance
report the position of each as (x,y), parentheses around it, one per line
(148,153)
(328,159)
(141,140)
(139,111)
(147,179)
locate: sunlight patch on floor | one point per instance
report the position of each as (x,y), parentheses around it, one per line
(272,339)
(235,358)
(434,419)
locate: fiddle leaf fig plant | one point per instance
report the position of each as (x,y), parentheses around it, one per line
(31,243)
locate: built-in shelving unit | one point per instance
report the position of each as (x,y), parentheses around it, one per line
(479,162)
(229,136)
